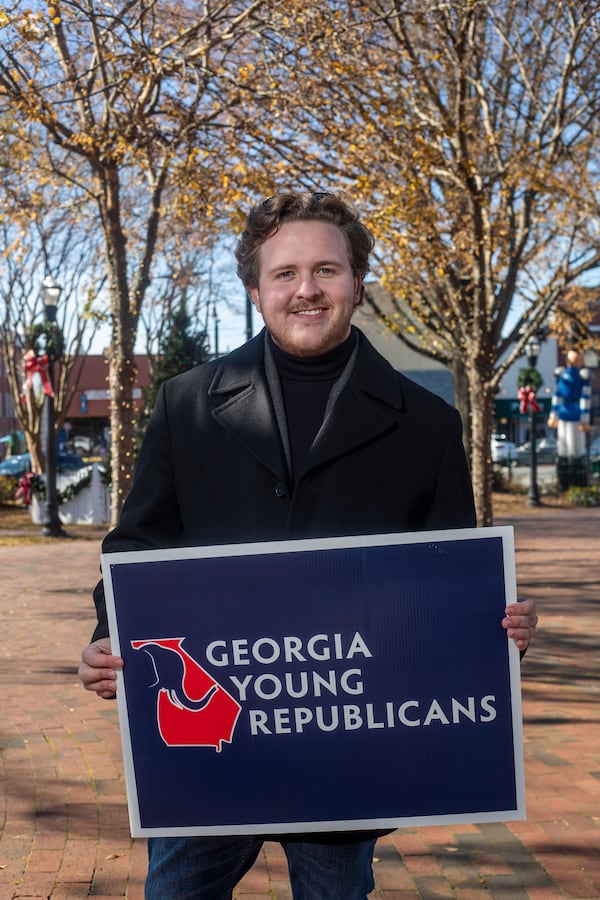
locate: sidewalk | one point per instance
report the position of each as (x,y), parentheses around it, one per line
(63,811)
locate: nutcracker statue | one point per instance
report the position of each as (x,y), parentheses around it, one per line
(570,415)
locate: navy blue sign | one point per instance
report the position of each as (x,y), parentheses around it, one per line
(320,685)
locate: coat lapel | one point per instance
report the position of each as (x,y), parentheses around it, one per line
(243,405)
(366,408)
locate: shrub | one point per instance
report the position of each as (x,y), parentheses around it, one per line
(8,489)
(584,496)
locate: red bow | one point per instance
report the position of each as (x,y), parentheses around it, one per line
(527,399)
(35,364)
(24,488)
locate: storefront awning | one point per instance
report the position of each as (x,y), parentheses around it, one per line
(508,407)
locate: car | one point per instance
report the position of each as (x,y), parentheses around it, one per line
(503,450)
(15,466)
(546,451)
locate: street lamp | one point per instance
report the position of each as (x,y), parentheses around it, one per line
(51,527)
(216,321)
(532,349)
(249,308)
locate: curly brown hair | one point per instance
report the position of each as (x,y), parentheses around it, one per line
(268,216)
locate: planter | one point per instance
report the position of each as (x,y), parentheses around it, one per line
(91,506)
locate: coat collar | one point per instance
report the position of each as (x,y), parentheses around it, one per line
(365,409)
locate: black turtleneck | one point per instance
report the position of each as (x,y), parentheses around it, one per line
(306,383)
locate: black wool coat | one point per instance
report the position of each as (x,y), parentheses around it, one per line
(212,470)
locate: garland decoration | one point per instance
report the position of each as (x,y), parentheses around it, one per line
(46,337)
(529,382)
(38,487)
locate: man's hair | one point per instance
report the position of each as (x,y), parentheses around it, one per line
(267,217)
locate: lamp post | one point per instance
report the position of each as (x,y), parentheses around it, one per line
(216,321)
(532,349)
(249,308)
(51,527)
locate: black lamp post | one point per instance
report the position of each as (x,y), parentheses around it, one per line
(51,527)
(532,349)
(216,321)
(249,308)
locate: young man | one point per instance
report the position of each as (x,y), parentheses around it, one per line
(305,431)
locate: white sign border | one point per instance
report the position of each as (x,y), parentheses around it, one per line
(505,533)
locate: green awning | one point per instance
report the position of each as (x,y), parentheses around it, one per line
(508,408)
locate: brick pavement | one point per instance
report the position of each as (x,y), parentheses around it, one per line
(63,812)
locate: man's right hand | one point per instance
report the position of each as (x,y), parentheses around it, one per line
(97,671)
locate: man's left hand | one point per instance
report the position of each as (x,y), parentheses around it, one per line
(520,622)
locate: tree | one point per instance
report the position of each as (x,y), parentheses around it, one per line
(24,332)
(574,314)
(468,132)
(40,239)
(137,104)
(180,349)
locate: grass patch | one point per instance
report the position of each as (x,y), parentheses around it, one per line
(16,528)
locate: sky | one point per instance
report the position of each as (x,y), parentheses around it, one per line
(231,314)
(231,330)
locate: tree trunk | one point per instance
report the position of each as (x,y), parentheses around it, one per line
(34,448)
(482,407)
(121,377)
(462,401)
(122,370)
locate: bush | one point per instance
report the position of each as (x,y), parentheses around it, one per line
(8,489)
(584,496)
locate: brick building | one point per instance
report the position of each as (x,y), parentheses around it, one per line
(88,415)
(8,421)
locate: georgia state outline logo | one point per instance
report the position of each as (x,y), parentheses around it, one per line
(192,709)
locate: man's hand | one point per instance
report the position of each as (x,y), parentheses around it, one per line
(520,622)
(97,669)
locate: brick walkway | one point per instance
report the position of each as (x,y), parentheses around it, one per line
(63,813)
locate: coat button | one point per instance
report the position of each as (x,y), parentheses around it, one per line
(280,491)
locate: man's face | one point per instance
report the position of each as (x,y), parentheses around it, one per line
(306,290)
(574,358)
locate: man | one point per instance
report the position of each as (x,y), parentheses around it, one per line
(305,431)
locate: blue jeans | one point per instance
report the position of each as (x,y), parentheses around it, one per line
(210,868)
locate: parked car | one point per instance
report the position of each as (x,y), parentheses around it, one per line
(15,466)
(503,450)
(546,451)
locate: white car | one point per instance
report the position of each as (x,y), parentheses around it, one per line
(503,450)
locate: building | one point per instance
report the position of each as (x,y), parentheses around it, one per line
(88,416)
(8,421)
(11,439)
(429,373)
(507,413)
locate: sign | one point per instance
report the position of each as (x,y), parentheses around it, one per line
(104,393)
(307,686)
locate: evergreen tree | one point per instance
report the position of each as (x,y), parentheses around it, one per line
(180,349)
